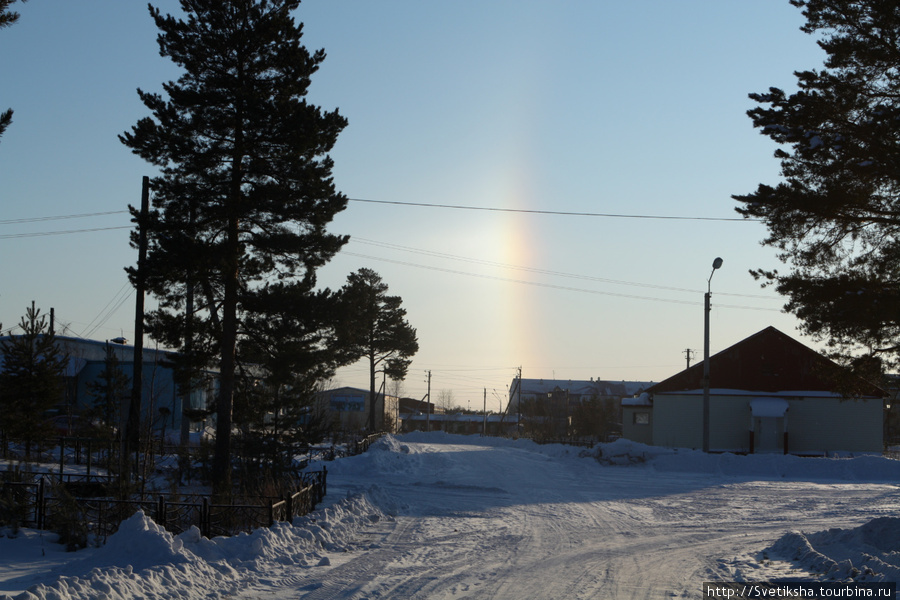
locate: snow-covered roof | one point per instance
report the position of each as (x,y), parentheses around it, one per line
(592,387)
(768,407)
(642,400)
(761,394)
(459,418)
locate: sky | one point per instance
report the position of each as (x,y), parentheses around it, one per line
(614,113)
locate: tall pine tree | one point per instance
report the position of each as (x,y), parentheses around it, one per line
(374,327)
(835,217)
(290,342)
(244,170)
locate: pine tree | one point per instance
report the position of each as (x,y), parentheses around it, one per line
(374,327)
(109,392)
(290,341)
(31,382)
(835,217)
(244,166)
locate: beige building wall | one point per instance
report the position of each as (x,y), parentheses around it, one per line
(637,424)
(814,425)
(678,421)
(818,425)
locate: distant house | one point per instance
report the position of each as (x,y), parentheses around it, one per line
(563,408)
(162,407)
(465,423)
(348,408)
(412,406)
(768,393)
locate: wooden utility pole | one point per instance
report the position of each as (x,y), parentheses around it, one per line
(484,412)
(687,353)
(131,438)
(428,405)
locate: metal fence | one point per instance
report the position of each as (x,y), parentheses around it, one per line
(39,503)
(44,499)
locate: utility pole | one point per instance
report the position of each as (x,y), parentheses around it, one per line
(687,353)
(132,425)
(519,399)
(484,412)
(428,405)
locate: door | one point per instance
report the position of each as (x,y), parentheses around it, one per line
(769,432)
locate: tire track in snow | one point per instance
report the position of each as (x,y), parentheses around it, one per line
(545,529)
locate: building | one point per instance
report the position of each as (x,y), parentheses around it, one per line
(162,407)
(349,409)
(465,423)
(768,393)
(558,408)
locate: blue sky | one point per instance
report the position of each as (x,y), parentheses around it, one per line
(617,108)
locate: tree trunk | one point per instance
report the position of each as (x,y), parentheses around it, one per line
(225,403)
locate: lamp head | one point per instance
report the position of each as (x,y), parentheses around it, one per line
(717,263)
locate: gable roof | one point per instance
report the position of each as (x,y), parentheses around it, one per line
(767,361)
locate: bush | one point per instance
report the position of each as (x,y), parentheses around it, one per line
(66,519)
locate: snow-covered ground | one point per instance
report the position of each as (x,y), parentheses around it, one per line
(439,516)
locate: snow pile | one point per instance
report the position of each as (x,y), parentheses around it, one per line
(626,452)
(768,466)
(143,560)
(870,552)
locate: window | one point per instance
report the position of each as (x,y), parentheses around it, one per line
(641,418)
(348,403)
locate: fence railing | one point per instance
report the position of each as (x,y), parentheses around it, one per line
(34,504)
(39,499)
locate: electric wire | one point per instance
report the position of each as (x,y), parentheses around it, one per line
(554,212)
(550,285)
(106,313)
(60,217)
(14,236)
(543,271)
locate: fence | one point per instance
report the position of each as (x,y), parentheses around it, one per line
(33,504)
(31,499)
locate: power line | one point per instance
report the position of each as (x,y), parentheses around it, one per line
(11,236)
(364,200)
(544,271)
(108,311)
(552,212)
(60,217)
(549,285)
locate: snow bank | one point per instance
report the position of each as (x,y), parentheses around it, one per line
(870,552)
(143,560)
(770,466)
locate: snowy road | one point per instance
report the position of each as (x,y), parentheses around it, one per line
(511,522)
(440,517)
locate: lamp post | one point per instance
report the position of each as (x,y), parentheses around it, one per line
(706,308)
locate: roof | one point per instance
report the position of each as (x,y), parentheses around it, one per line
(593,387)
(345,390)
(461,418)
(81,351)
(769,361)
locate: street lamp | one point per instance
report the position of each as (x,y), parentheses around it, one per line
(716,264)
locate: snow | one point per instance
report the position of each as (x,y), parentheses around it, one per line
(440,516)
(768,407)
